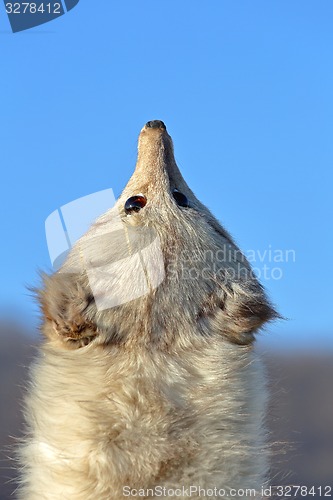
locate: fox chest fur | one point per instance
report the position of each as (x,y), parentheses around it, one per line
(147,375)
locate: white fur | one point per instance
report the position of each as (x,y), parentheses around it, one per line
(123,414)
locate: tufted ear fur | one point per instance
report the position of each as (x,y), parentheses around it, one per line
(244,314)
(238,313)
(64,303)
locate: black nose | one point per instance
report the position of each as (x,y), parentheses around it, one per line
(156,124)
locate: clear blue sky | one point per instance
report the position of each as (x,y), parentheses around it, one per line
(246,91)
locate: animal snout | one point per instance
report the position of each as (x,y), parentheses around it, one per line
(156,124)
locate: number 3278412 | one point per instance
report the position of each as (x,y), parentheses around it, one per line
(33,8)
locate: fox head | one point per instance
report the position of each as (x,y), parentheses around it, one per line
(155,269)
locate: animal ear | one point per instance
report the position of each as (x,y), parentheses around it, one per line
(241,312)
(65,302)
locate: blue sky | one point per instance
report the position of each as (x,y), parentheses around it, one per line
(246,91)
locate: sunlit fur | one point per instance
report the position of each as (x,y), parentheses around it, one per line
(166,389)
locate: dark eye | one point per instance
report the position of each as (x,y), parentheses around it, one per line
(180,198)
(135,203)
